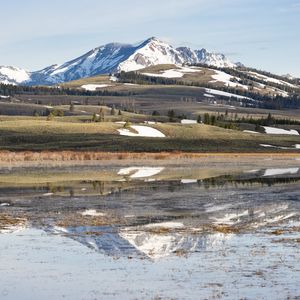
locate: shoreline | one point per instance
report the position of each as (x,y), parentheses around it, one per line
(89,157)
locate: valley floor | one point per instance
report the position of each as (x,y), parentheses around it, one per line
(61,134)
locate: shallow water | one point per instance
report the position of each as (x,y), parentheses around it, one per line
(150,232)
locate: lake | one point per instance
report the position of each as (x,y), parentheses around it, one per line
(151,230)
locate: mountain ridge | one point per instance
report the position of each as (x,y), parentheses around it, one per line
(111,58)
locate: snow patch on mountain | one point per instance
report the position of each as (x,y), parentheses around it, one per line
(12,75)
(174,73)
(214,59)
(227,79)
(225,94)
(270,79)
(154,52)
(205,57)
(140,172)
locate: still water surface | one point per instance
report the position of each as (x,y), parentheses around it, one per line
(150,232)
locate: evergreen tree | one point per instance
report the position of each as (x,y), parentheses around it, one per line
(72,107)
(113,111)
(171,115)
(101,115)
(270,120)
(36,113)
(94,117)
(50,116)
(213,120)
(206,118)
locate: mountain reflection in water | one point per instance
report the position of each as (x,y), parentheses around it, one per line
(154,212)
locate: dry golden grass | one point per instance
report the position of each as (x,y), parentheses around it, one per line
(40,135)
(42,126)
(79,220)
(100,79)
(225,229)
(7,221)
(27,156)
(278,232)
(158,68)
(195,131)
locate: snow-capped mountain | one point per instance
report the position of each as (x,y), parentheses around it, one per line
(204,57)
(101,60)
(150,53)
(12,75)
(114,57)
(289,76)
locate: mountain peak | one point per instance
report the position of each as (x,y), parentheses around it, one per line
(115,57)
(13,75)
(153,39)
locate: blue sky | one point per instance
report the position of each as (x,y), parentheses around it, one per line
(260,33)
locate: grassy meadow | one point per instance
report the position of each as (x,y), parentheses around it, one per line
(59,133)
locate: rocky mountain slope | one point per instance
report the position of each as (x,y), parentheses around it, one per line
(114,57)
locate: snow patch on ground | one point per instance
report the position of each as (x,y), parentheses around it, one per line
(225,94)
(273,172)
(208,96)
(48,194)
(279,147)
(113,78)
(94,87)
(188,181)
(92,213)
(142,131)
(187,121)
(168,225)
(250,131)
(141,172)
(273,130)
(252,171)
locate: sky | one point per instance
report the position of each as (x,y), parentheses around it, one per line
(264,34)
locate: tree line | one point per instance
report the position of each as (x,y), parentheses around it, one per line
(251,99)
(12,90)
